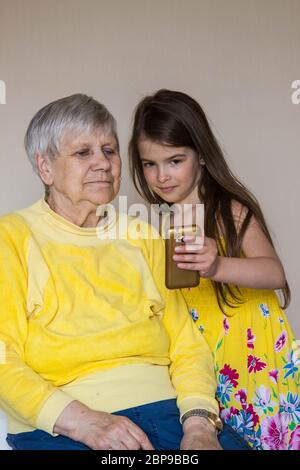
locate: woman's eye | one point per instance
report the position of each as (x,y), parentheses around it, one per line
(108,152)
(83,153)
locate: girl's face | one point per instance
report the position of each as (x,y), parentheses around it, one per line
(171,172)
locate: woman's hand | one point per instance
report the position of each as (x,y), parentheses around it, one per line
(198,256)
(99,430)
(199,434)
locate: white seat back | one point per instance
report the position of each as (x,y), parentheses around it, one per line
(3,432)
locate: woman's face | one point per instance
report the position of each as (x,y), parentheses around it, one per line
(171,172)
(86,172)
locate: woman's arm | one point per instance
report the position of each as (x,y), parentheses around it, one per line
(23,392)
(192,373)
(199,434)
(99,430)
(191,363)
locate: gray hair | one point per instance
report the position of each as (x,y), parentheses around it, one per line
(75,113)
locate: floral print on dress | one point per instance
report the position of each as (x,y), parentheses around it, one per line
(264,310)
(263,403)
(292,363)
(227,382)
(280,342)
(275,433)
(257,366)
(290,407)
(231,374)
(226,325)
(243,421)
(224,389)
(274,374)
(295,439)
(250,339)
(241,397)
(194,314)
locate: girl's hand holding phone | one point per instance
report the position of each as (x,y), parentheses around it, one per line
(198,254)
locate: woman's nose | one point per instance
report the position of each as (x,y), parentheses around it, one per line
(100,161)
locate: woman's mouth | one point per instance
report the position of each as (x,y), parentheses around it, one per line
(104,183)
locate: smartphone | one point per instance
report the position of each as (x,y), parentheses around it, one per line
(176,278)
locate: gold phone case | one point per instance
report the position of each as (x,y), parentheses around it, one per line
(177,278)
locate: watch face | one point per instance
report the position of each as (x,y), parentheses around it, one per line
(216,421)
(219,424)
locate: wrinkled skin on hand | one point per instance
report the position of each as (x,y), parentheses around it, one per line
(199,434)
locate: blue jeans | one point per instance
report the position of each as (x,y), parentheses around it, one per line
(160,421)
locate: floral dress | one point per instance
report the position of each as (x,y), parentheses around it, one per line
(257,364)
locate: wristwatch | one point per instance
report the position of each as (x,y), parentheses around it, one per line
(211,417)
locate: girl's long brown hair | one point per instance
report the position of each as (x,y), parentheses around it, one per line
(174,118)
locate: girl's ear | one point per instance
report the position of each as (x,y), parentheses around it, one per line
(44,167)
(202,162)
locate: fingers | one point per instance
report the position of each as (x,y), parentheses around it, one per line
(203,268)
(186,258)
(194,244)
(117,445)
(195,248)
(195,257)
(193,239)
(194,261)
(126,441)
(146,445)
(118,433)
(188,266)
(140,437)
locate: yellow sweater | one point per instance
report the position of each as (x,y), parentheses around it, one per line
(88,318)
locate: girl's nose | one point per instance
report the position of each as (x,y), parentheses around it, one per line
(162,176)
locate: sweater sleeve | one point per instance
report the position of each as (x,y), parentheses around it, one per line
(23,392)
(191,369)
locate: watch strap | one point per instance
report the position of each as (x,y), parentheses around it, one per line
(211,417)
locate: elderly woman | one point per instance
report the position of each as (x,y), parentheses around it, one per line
(97,349)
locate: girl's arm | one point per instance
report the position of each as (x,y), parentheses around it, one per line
(260,269)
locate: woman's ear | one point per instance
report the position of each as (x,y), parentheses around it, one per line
(201,161)
(44,167)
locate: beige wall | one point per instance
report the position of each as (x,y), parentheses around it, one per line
(237,57)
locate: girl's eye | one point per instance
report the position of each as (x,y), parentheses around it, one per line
(175,162)
(147,164)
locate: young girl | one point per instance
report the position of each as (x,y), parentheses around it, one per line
(175,158)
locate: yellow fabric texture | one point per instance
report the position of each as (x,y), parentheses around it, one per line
(75,305)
